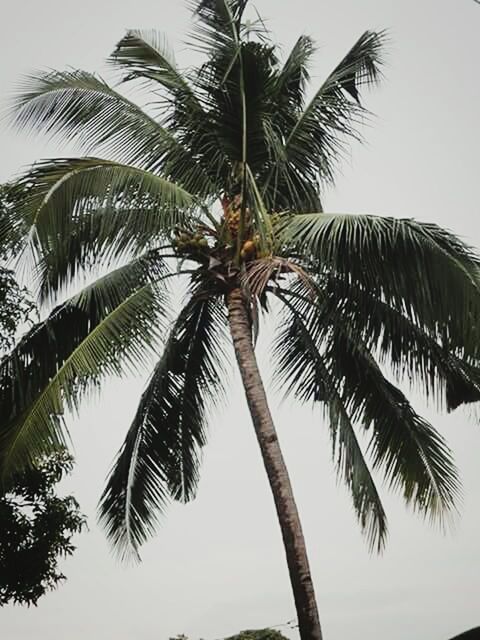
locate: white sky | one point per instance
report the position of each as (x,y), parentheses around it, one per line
(217,565)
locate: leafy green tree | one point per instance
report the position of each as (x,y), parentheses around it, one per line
(16,305)
(259,634)
(37,525)
(218,183)
(37,530)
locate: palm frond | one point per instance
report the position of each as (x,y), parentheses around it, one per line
(219,23)
(286,189)
(407,263)
(421,355)
(330,109)
(259,275)
(301,368)
(105,329)
(160,457)
(63,200)
(291,83)
(79,106)
(236,89)
(406,448)
(283,187)
(412,456)
(146,54)
(316,141)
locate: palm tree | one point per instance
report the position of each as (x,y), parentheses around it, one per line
(218,183)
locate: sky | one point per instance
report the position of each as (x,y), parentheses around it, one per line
(217,565)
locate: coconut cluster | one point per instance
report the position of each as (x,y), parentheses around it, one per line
(189,242)
(232,211)
(203,242)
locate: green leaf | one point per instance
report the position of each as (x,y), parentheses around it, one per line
(58,199)
(160,457)
(104,330)
(410,453)
(315,143)
(146,54)
(303,370)
(416,353)
(76,105)
(292,80)
(325,361)
(219,23)
(409,264)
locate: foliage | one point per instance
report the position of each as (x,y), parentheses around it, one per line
(16,305)
(259,634)
(471,634)
(16,308)
(37,529)
(220,181)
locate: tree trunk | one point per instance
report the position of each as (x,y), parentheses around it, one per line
(301,580)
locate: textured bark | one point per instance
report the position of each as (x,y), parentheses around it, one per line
(300,577)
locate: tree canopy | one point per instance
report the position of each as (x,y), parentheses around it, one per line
(16,304)
(36,532)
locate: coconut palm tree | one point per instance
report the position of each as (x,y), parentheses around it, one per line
(218,182)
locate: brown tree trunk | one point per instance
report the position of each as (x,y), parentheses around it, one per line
(302,585)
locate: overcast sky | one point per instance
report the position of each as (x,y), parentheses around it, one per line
(217,565)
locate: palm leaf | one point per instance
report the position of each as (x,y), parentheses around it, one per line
(146,54)
(76,105)
(314,140)
(422,356)
(105,329)
(314,144)
(160,457)
(302,370)
(411,454)
(219,23)
(58,199)
(407,263)
(292,80)
(284,188)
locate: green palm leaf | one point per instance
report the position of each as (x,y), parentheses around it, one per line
(59,198)
(301,368)
(146,54)
(160,457)
(283,186)
(292,80)
(219,23)
(407,263)
(415,353)
(105,329)
(314,139)
(344,375)
(411,454)
(315,144)
(76,105)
